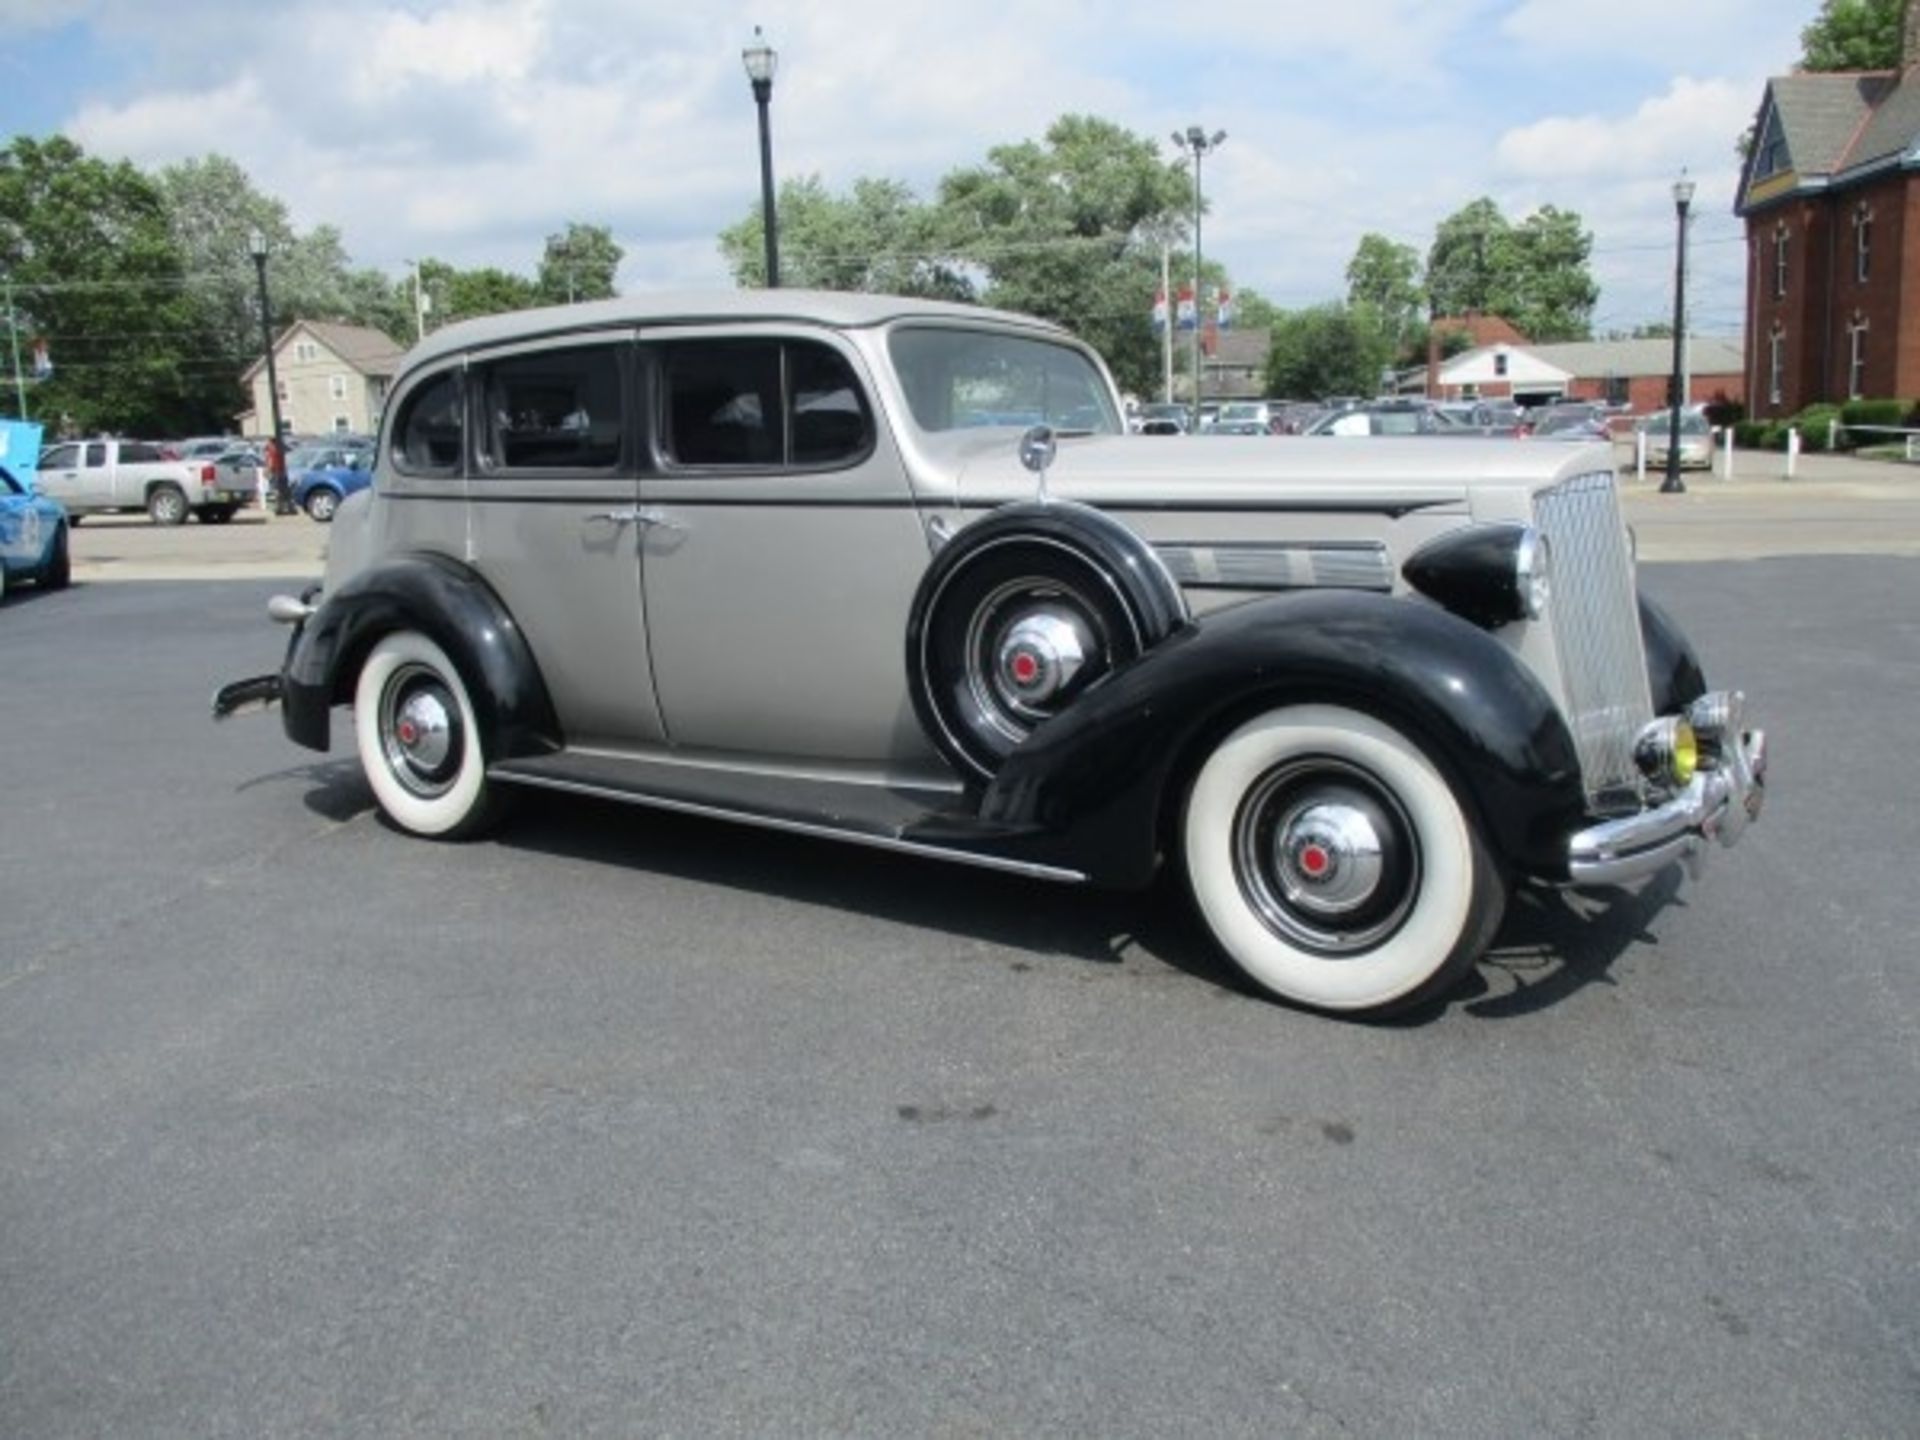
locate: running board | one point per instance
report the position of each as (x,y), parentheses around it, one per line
(936,824)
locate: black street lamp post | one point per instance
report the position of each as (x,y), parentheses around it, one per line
(1197,143)
(761,61)
(1682,198)
(277,452)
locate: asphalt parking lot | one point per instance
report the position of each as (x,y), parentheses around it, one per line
(628,1123)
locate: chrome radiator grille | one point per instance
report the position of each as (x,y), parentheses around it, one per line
(1596,630)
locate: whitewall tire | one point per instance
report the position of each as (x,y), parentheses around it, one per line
(419,741)
(1335,865)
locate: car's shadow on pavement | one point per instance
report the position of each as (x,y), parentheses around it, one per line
(1552,943)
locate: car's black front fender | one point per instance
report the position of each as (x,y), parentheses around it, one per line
(1100,779)
(450,605)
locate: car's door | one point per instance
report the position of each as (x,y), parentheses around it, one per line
(782,547)
(554,525)
(59,473)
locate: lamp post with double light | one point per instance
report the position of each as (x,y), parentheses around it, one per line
(1682,198)
(277,450)
(761,61)
(1197,143)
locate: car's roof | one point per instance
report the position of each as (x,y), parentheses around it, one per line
(842,309)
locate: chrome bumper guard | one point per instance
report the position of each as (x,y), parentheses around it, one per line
(1717,804)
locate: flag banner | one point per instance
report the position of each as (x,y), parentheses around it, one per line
(1223,307)
(42,362)
(1159,310)
(1187,315)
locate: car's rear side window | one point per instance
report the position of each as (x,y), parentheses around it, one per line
(428,432)
(762,404)
(554,410)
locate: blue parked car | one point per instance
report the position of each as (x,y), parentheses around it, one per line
(321,476)
(33,537)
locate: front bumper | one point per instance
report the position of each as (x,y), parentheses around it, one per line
(1717,804)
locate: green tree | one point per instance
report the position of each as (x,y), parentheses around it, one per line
(215,210)
(1070,229)
(1534,274)
(1328,350)
(578,264)
(877,238)
(1466,260)
(456,294)
(1385,275)
(97,273)
(1548,293)
(1853,35)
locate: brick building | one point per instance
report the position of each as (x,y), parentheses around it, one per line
(1635,373)
(1831,200)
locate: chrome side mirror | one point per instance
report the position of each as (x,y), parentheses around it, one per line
(1037,448)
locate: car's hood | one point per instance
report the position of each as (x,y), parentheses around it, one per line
(1159,470)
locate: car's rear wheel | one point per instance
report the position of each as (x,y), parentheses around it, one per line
(1335,865)
(321,503)
(166,505)
(419,741)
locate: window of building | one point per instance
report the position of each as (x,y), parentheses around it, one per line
(1770,152)
(1780,262)
(763,403)
(1862,242)
(427,436)
(1856,358)
(337,386)
(1617,390)
(305,351)
(285,394)
(554,410)
(342,424)
(1776,365)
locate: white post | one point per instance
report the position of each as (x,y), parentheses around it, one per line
(1166,333)
(1726,470)
(1793,448)
(1640,455)
(1833,433)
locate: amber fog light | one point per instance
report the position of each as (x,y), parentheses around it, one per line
(1667,751)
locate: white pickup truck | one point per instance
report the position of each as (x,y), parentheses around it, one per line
(91,477)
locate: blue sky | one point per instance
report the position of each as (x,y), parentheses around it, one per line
(471,129)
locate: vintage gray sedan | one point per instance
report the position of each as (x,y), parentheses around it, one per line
(892,571)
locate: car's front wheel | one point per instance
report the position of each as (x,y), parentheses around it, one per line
(1335,865)
(419,742)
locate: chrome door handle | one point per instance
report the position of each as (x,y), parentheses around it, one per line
(654,518)
(627,516)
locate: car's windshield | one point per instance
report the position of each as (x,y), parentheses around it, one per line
(956,378)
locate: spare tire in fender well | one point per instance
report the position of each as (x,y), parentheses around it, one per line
(1135,591)
(455,608)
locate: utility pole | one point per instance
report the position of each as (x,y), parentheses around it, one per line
(1197,143)
(13,331)
(1166,330)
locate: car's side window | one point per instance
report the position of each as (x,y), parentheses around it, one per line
(763,404)
(723,403)
(96,455)
(60,457)
(554,410)
(830,420)
(428,432)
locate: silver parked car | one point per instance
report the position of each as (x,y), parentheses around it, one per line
(890,571)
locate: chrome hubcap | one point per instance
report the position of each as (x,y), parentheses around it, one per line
(1031,645)
(1328,859)
(420,730)
(1326,856)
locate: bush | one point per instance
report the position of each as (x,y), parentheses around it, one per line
(1749,434)
(1816,423)
(1891,413)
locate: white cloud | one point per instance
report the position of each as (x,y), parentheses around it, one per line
(471,129)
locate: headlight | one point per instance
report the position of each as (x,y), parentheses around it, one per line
(1489,574)
(1532,572)
(1667,751)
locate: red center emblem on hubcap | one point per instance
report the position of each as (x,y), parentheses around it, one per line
(407,733)
(1314,860)
(1025,669)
